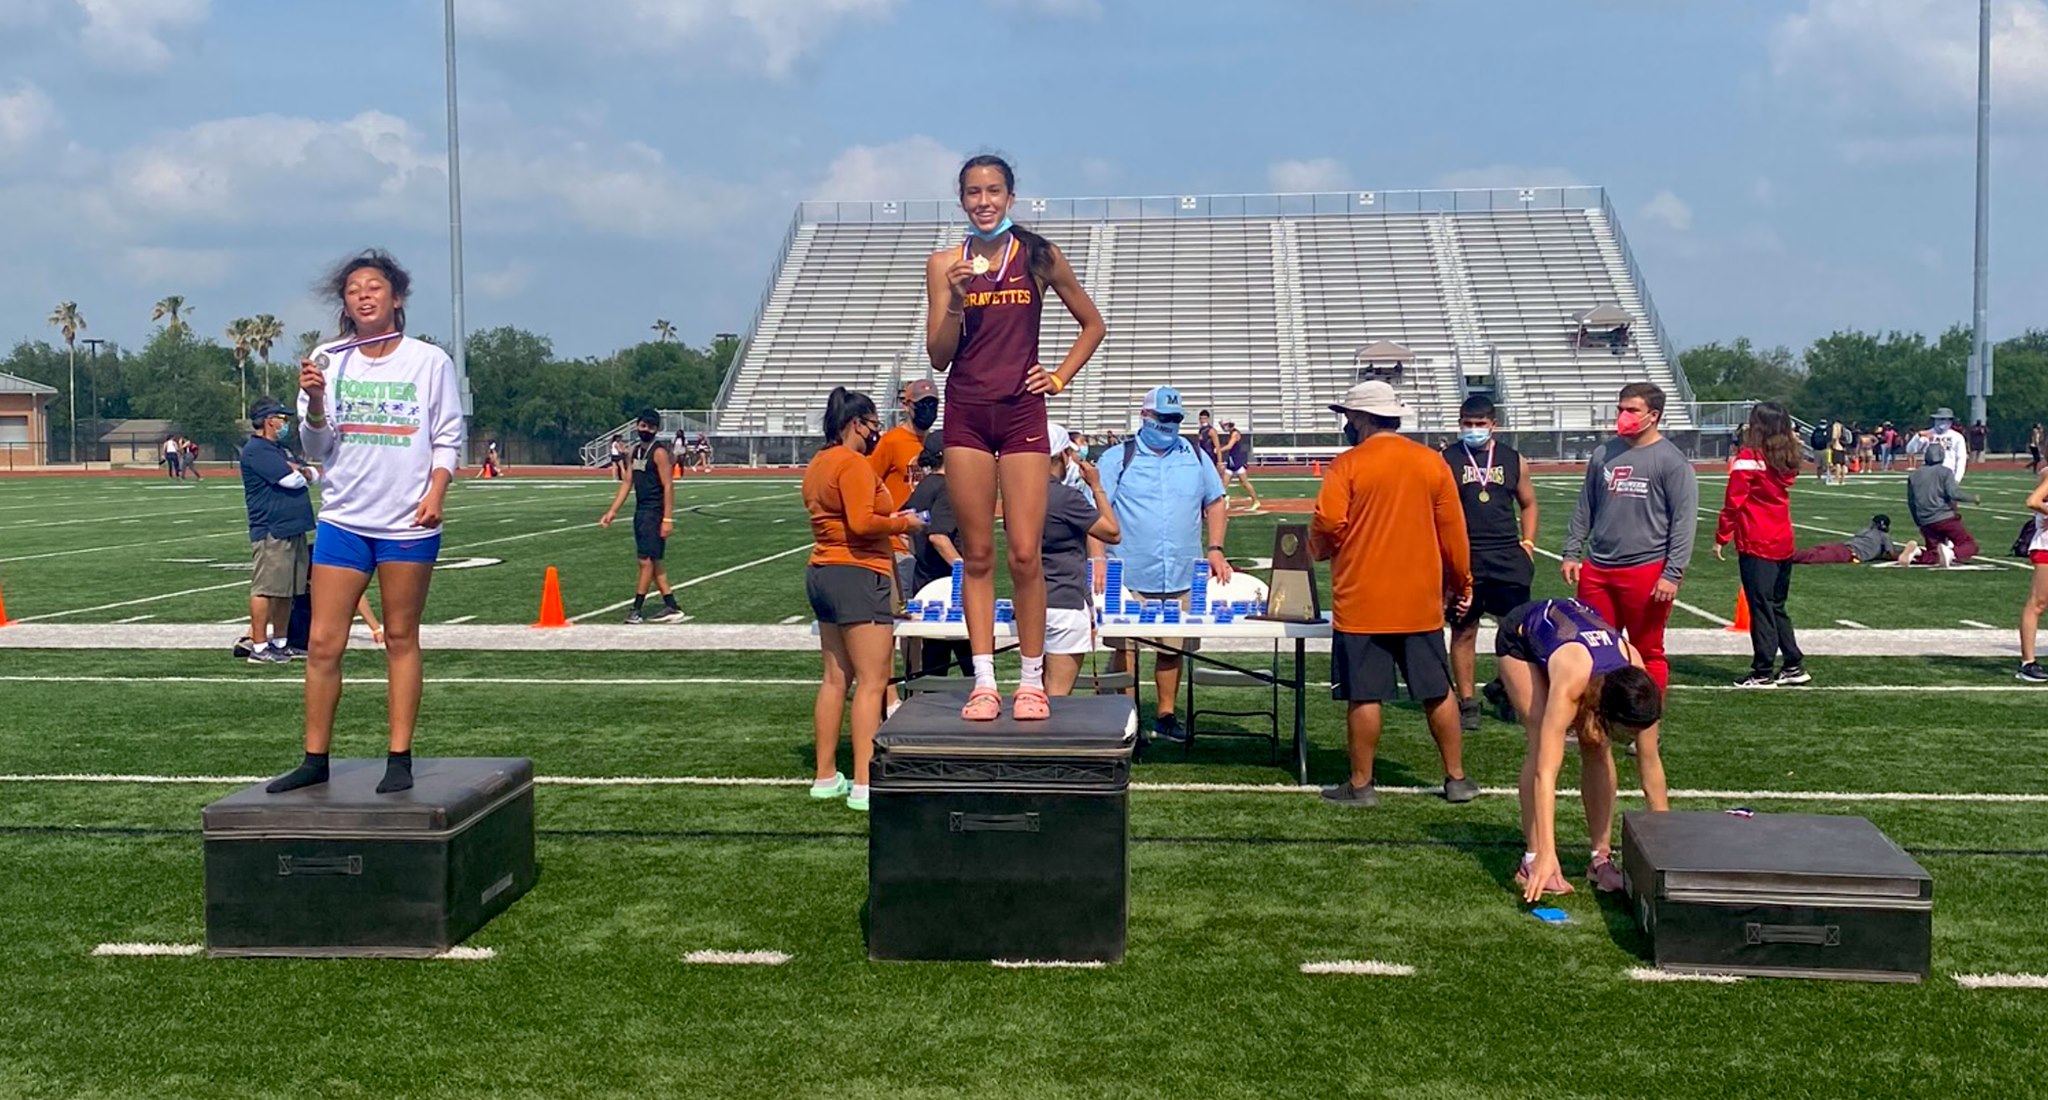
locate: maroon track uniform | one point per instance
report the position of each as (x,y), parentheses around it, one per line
(987,406)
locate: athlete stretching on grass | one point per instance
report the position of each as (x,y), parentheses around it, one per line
(985,299)
(390,452)
(1567,672)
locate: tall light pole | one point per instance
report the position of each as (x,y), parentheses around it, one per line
(1979,378)
(92,372)
(461,352)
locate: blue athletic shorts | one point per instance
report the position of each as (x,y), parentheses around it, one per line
(348,550)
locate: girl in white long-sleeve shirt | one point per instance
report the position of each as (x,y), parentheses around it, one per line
(385,416)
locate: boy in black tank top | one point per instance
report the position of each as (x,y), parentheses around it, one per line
(652,478)
(1493,485)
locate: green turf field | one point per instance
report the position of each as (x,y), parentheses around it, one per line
(1232,891)
(85,551)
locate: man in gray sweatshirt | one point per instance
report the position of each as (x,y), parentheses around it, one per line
(1631,533)
(1932,496)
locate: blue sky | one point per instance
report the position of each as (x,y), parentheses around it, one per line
(1783,168)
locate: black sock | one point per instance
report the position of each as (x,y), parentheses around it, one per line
(310,771)
(397,773)
(639,601)
(669,598)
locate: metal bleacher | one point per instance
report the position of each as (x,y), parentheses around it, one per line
(1252,305)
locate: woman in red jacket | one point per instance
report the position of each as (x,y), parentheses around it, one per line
(1757,518)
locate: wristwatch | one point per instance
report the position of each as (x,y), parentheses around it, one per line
(1215,549)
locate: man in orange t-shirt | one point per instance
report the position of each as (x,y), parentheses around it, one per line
(894,461)
(1389,522)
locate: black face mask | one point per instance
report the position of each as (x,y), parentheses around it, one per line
(925,413)
(646,436)
(1351,435)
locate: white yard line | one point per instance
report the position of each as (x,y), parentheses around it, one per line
(136,619)
(1647,974)
(1978,625)
(241,534)
(123,518)
(1372,968)
(737,958)
(131,603)
(694,581)
(145,950)
(2002,981)
(459,620)
(1681,604)
(794,619)
(1047,964)
(1851,624)
(515,538)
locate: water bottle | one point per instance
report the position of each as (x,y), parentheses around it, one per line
(1198,589)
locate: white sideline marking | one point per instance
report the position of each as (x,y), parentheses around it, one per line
(132,950)
(1702,613)
(131,603)
(2002,981)
(233,621)
(121,546)
(459,620)
(793,620)
(1369,967)
(737,958)
(1647,974)
(1164,788)
(693,581)
(1047,964)
(131,519)
(1978,625)
(1851,624)
(466,547)
(468,954)
(138,618)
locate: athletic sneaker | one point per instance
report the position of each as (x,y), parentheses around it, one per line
(1605,876)
(857,801)
(838,788)
(243,647)
(1167,728)
(667,615)
(1468,715)
(272,654)
(1947,550)
(1344,794)
(635,618)
(1497,694)
(298,653)
(2032,673)
(1757,680)
(1461,790)
(1793,676)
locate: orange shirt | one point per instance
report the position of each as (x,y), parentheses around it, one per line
(895,455)
(850,512)
(1389,521)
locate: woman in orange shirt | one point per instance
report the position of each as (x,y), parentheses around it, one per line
(848,585)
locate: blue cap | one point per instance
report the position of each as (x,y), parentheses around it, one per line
(1163,401)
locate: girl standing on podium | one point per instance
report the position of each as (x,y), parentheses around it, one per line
(383,412)
(982,326)
(850,585)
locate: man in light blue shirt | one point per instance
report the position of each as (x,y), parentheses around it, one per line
(1167,497)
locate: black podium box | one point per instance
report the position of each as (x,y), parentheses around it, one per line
(1001,840)
(340,870)
(1778,895)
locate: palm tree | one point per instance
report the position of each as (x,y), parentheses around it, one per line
(268,331)
(173,307)
(70,322)
(310,341)
(663,331)
(241,333)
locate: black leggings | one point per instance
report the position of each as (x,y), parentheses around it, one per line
(1765,584)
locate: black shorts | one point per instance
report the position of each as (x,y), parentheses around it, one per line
(1512,641)
(1362,666)
(848,595)
(1491,597)
(647,540)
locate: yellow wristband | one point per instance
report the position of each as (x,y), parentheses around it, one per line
(1058,383)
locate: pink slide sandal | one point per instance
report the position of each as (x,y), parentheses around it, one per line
(984,705)
(1030,705)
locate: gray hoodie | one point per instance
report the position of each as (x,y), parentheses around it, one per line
(1638,505)
(1931,495)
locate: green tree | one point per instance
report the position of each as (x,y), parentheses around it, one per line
(1739,372)
(268,331)
(70,322)
(241,336)
(309,341)
(664,331)
(1901,377)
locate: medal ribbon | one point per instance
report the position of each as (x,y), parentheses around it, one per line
(1483,472)
(1009,251)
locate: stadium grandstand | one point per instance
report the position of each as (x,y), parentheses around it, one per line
(1260,307)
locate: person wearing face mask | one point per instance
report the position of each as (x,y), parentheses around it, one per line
(1631,534)
(1166,497)
(278,497)
(895,462)
(651,469)
(1955,449)
(1499,502)
(848,584)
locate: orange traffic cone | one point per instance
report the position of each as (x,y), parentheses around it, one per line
(3,611)
(1315,469)
(1741,623)
(551,601)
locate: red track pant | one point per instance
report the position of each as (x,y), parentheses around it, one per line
(1623,596)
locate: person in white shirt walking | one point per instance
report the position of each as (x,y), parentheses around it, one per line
(383,412)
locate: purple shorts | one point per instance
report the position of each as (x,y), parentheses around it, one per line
(1015,426)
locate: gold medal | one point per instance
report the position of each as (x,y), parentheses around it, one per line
(981,265)
(1484,496)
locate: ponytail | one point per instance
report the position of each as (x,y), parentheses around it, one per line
(843,407)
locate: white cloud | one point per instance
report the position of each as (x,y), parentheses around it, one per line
(1669,210)
(1882,55)
(130,34)
(184,267)
(26,114)
(915,167)
(242,169)
(1320,174)
(505,282)
(1510,175)
(765,35)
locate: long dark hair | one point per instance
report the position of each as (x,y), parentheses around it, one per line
(1037,250)
(1625,699)
(843,407)
(335,285)
(1769,433)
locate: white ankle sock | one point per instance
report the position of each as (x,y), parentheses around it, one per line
(827,784)
(1034,673)
(985,670)
(859,792)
